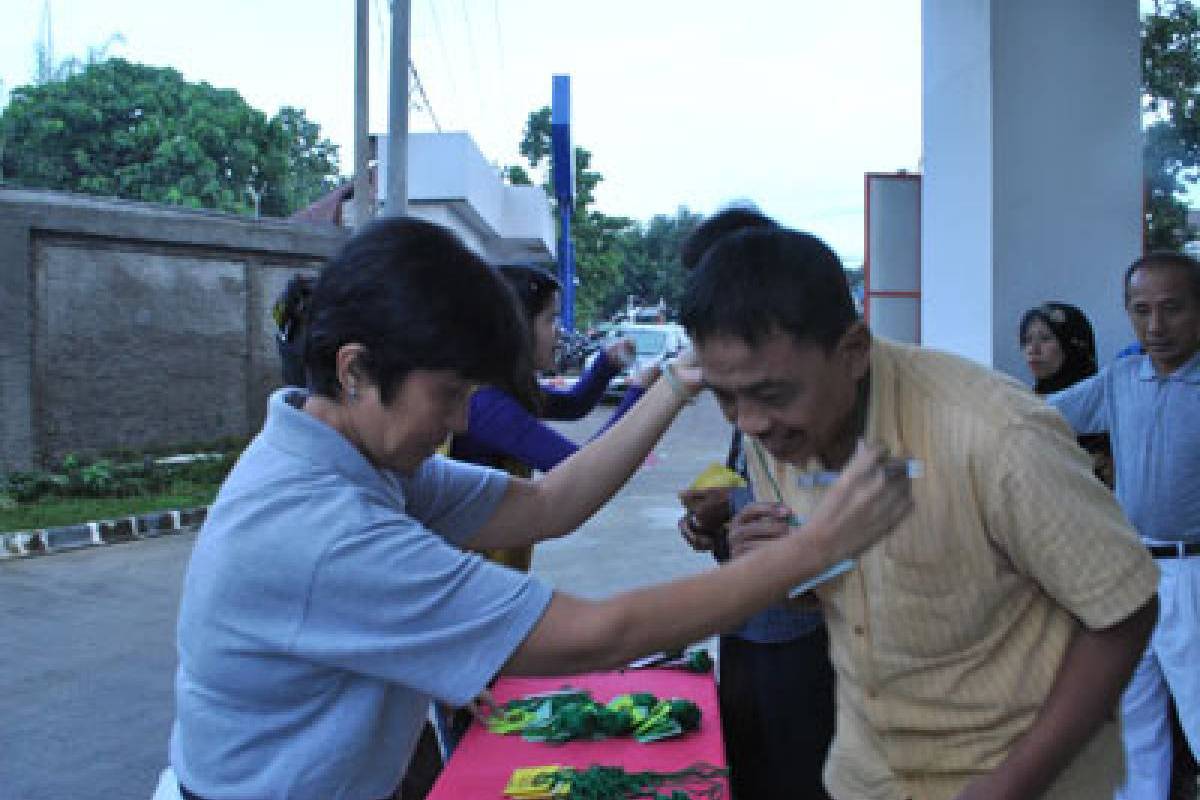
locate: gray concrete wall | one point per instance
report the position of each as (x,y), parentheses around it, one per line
(132,325)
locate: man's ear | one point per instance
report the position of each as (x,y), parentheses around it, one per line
(349,374)
(855,348)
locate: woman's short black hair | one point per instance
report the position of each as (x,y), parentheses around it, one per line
(1073,331)
(757,280)
(415,297)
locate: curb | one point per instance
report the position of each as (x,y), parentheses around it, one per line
(45,541)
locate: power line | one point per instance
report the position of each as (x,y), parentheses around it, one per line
(503,82)
(418,99)
(437,27)
(424,103)
(474,61)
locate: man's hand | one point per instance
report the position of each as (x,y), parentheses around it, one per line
(1086,689)
(755,524)
(707,511)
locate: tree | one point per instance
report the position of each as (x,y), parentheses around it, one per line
(129,130)
(650,252)
(1171,102)
(311,163)
(596,235)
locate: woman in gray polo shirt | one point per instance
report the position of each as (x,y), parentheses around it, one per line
(328,598)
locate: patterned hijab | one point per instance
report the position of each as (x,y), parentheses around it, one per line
(1074,333)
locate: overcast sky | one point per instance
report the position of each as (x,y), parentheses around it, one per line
(682,102)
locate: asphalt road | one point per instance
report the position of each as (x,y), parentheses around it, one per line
(87,638)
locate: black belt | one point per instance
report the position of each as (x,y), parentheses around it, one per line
(1181,550)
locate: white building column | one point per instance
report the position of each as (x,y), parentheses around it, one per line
(1032,168)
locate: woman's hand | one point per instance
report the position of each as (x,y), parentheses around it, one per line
(647,376)
(871,496)
(620,353)
(683,375)
(687,369)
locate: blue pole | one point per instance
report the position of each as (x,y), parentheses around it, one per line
(562,159)
(566,267)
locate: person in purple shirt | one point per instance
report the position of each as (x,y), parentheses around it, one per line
(505,427)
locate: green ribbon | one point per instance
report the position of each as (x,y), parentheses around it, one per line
(569,715)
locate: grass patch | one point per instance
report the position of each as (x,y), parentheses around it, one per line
(53,511)
(117,484)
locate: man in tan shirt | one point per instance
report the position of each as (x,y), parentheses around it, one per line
(980,650)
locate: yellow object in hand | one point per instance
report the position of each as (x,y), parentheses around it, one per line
(717,476)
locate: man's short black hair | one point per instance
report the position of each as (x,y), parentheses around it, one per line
(415,297)
(756,281)
(707,233)
(1166,259)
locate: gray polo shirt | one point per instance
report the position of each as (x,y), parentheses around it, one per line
(1154,423)
(325,603)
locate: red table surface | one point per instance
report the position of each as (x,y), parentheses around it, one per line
(483,762)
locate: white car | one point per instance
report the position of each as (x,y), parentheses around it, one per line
(651,343)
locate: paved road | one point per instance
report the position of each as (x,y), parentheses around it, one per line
(87,638)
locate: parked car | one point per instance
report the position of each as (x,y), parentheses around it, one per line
(651,343)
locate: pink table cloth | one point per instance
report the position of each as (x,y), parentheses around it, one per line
(483,762)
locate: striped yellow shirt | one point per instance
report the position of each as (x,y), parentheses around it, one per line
(947,635)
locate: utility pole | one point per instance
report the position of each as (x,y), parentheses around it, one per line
(397,157)
(364,196)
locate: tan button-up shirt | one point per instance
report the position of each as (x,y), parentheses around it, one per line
(947,635)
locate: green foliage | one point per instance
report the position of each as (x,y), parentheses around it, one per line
(650,252)
(310,168)
(1171,95)
(120,129)
(106,477)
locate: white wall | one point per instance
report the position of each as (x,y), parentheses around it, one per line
(956,191)
(450,182)
(1032,164)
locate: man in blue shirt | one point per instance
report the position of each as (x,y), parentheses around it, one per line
(1149,403)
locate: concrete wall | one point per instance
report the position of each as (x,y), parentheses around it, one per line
(1032,168)
(130,325)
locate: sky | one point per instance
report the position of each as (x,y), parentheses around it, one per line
(785,103)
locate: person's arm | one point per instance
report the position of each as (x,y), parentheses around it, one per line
(1084,405)
(562,499)
(499,424)
(582,397)
(576,635)
(1060,527)
(1085,692)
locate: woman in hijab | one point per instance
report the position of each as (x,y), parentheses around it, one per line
(1060,349)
